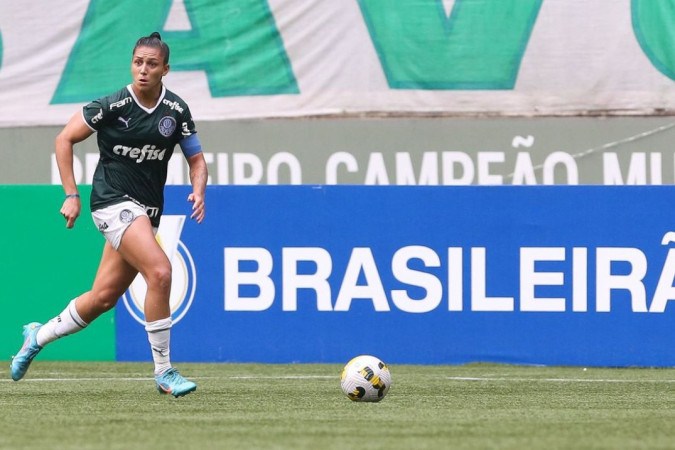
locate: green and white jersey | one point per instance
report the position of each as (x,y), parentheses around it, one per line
(135,145)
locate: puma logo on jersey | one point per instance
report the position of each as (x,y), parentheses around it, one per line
(147,153)
(125,122)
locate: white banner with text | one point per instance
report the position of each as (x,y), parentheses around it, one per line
(282,58)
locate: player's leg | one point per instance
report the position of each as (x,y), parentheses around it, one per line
(113,278)
(141,250)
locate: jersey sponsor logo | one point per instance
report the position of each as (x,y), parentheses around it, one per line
(146,153)
(151,211)
(173,105)
(183,273)
(124,121)
(97,117)
(120,103)
(167,125)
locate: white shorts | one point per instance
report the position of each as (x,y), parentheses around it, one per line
(114,220)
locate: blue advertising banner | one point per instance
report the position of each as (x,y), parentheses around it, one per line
(556,275)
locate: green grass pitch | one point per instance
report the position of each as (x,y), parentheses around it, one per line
(300,406)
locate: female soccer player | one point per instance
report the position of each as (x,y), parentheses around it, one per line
(138,128)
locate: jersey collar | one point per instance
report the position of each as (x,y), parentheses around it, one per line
(147,110)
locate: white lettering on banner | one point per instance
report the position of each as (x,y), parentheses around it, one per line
(463,161)
(318,281)
(247,169)
(455,276)
(450,168)
(405,172)
(555,159)
(638,173)
(580,280)
(479,299)
(665,290)
(284,159)
(530,278)
(335,161)
(362,261)
(523,172)
(377,170)
(431,284)
(485,159)
(260,278)
(455,169)
(177,170)
(631,281)
(361,280)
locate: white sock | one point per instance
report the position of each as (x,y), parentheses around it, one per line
(68,322)
(159,335)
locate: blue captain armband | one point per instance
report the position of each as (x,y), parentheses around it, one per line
(190,145)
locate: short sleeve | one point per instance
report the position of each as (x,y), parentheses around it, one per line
(94,114)
(187,126)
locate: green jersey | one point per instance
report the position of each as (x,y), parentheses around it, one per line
(135,145)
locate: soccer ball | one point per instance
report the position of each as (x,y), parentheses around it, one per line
(365,379)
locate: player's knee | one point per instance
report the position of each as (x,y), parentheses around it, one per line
(159,276)
(105,299)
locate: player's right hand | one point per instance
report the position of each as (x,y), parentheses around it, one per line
(71,210)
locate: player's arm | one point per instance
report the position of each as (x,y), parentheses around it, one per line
(198,176)
(191,147)
(76,130)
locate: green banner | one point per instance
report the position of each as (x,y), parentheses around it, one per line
(653,26)
(236,44)
(44,266)
(420,47)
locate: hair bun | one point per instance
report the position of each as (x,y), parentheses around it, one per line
(156,35)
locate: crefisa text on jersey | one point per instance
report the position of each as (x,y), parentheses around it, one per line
(173,105)
(148,152)
(386,282)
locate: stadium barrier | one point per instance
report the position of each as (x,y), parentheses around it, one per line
(44,265)
(573,275)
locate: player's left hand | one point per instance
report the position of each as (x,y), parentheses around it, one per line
(198,209)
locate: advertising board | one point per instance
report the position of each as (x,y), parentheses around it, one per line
(575,275)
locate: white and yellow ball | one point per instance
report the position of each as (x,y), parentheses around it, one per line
(365,379)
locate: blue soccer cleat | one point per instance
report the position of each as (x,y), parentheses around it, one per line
(172,382)
(29,350)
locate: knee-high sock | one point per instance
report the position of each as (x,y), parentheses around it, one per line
(159,335)
(68,322)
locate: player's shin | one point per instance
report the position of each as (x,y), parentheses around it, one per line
(159,336)
(68,322)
